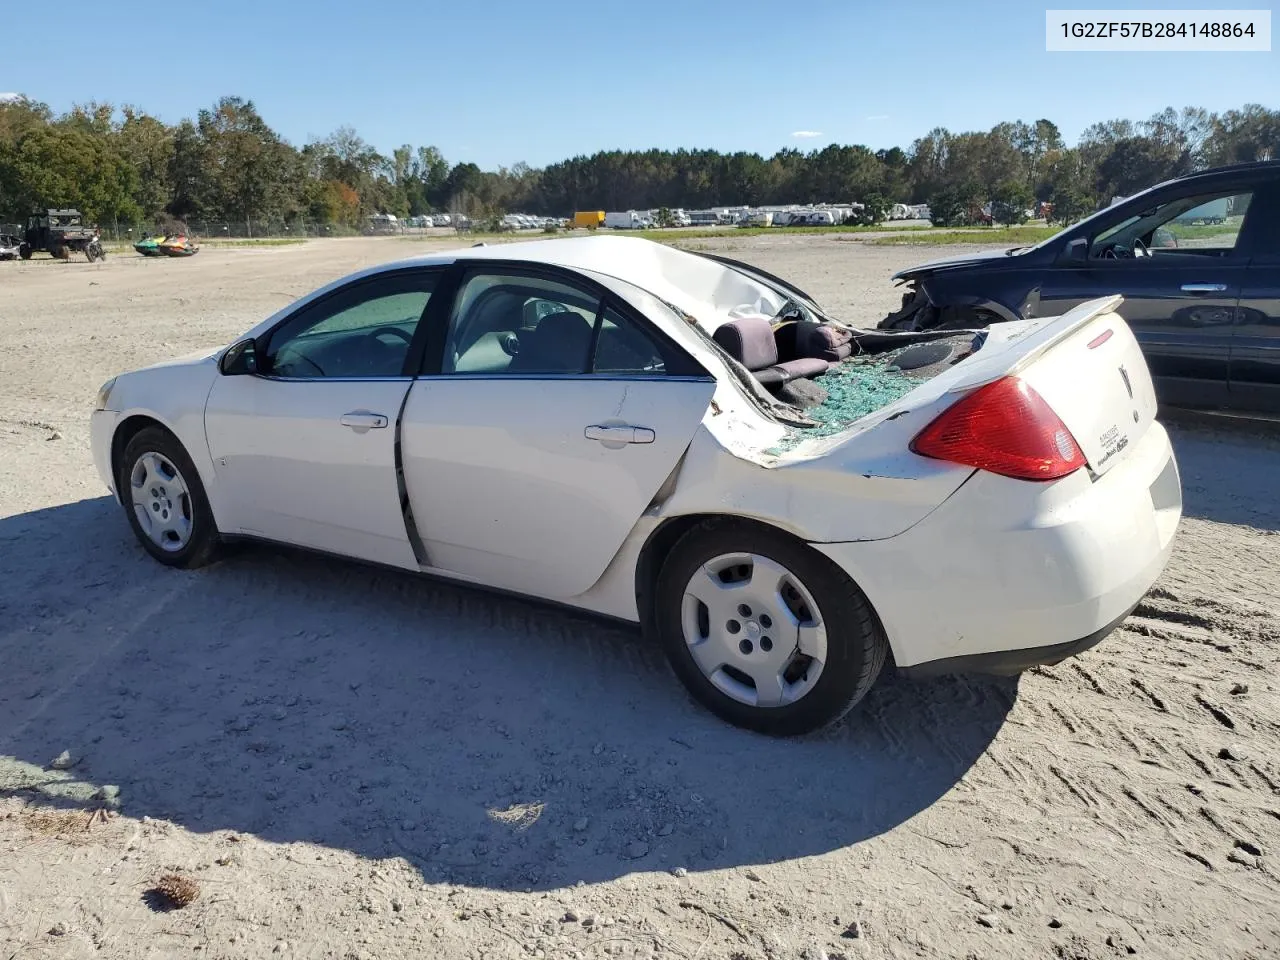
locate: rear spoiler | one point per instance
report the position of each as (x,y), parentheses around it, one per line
(985,366)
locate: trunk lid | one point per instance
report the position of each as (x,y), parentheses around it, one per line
(1097,381)
(1087,366)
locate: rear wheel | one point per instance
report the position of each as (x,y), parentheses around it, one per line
(763,630)
(165,501)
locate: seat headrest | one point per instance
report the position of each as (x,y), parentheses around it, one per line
(558,344)
(749,341)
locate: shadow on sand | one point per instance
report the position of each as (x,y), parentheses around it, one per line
(490,741)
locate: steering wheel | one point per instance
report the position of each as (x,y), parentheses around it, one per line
(290,360)
(394,331)
(1118,251)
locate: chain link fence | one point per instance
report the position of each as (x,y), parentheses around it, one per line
(259,229)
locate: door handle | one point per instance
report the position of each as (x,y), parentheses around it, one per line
(363,420)
(1204,288)
(623,433)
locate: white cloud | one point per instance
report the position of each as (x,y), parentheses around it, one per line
(9,97)
(806,134)
(878,116)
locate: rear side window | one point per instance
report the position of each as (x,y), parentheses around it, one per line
(623,348)
(508,324)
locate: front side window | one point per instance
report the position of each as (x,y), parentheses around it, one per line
(508,324)
(1206,225)
(364,332)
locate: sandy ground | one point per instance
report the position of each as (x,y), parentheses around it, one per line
(357,763)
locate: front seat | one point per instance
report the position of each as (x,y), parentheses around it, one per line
(750,341)
(558,344)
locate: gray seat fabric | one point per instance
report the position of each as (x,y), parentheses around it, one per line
(558,344)
(803,367)
(750,341)
(822,340)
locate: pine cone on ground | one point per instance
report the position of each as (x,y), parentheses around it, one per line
(176,891)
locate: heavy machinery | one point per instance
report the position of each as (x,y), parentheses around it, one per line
(59,233)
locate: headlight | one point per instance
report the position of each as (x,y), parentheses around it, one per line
(104,394)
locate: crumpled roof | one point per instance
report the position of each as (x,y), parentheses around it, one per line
(709,291)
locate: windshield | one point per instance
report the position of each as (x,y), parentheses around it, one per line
(1089,219)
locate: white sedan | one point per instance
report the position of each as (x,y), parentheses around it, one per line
(686,442)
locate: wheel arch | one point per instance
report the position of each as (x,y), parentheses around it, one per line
(666,534)
(130,427)
(964,306)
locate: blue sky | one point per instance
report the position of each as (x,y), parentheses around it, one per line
(503,81)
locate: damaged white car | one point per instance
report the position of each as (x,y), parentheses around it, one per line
(782,501)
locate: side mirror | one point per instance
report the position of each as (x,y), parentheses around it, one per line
(1077,250)
(240,360)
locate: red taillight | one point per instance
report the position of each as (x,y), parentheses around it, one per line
(1006,428)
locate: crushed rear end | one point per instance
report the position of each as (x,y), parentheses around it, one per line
(1063,524)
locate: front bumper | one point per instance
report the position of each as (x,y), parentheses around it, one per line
(102,427)
(1010,573)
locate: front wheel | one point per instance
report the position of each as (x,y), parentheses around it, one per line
(24,251)
(165,501)
(764,631)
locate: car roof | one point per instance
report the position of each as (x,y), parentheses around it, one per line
(701,287)
(1227,170)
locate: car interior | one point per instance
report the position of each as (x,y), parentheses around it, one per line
(513,325)
(789,351)
(524,327)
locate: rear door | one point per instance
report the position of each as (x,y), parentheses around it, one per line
(551,415)
(1180,291)
(1255,350)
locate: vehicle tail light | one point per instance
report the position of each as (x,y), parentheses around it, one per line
(1005,428)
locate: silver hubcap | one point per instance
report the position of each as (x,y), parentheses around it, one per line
(754,629)
(161,501)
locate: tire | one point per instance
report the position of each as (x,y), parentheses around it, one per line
(24,251)
(183,501)
(91,252)
(855,644)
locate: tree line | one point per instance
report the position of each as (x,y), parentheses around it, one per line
(227,163)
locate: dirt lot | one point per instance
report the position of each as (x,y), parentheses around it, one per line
(357,763)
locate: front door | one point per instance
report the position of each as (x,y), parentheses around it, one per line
(553,420)
(304,451)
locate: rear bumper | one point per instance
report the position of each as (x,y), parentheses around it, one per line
(1007,663)
(1009,573)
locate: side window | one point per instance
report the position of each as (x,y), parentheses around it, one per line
(1214,224)
(1208,224)
(622,347)
(363,332)
(512,324)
